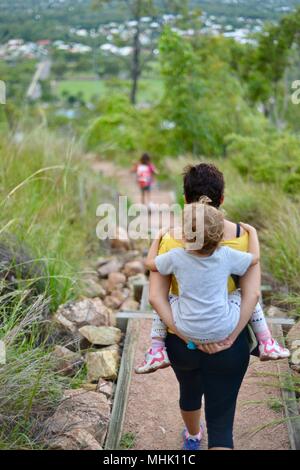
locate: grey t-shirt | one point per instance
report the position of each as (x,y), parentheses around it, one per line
(202,310)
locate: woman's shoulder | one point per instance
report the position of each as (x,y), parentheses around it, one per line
(231,230)
(169,242)
(232,240)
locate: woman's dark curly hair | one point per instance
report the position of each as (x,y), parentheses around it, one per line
(203,180)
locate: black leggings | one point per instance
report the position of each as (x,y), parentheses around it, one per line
(218,377)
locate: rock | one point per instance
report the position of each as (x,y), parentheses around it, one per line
(78,439)
(93,289)
(295,357)
(116,299)
(131,255)
(134,267)
(89,387)
(74,315)
(104,284)
(105,387)
(294,333)
(66,362)
(295,344)
(103,364)
(112,302)
(137,279)
(122,241)
(103,260)
(112,317)
(116,281)
(112,266)
(275,312)
(101,335)
(2,353)
(80,410)
(295,368)
(130,305)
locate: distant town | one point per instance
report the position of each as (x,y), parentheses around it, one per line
(114,33)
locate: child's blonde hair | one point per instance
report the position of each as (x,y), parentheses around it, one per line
(203,226)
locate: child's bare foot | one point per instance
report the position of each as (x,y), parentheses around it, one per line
(271,350)
(153,361)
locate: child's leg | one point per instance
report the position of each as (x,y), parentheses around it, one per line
(269,348)
(156,357)
(259,325)
(158,334)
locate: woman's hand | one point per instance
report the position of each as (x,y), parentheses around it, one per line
(213,348)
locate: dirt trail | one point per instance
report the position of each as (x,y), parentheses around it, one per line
(153,414)
(128,184)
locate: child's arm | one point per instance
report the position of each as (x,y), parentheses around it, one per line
(153,252)
(253,246)
(154,169)
(134,168)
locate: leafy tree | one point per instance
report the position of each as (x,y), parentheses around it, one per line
(264,67)
(136,9)
(200,89)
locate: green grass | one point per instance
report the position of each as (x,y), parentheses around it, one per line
(30,389)
(88,88)
(48,201)
(128,440)
(150,89)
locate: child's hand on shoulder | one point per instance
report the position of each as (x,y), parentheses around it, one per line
(247,227)
(162,232)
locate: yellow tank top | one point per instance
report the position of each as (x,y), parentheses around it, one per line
(168,243)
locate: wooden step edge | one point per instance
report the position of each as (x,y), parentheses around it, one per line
(290,403)
(120,402)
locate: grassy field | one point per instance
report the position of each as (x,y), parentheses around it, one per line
(151,89)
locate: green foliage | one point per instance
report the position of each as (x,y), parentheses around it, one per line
(47,196)
(114,129)
(200,89)
(276,405)
(29,387)
(269,158)
(48,200)
(127,441)
(281,246)
(269,209)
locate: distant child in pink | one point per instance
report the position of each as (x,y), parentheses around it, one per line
(145,171)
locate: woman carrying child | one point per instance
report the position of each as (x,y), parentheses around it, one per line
(203,313)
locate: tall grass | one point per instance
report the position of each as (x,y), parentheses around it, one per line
(29,386)
(48,200)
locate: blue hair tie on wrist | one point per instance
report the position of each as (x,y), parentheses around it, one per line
(191,346)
